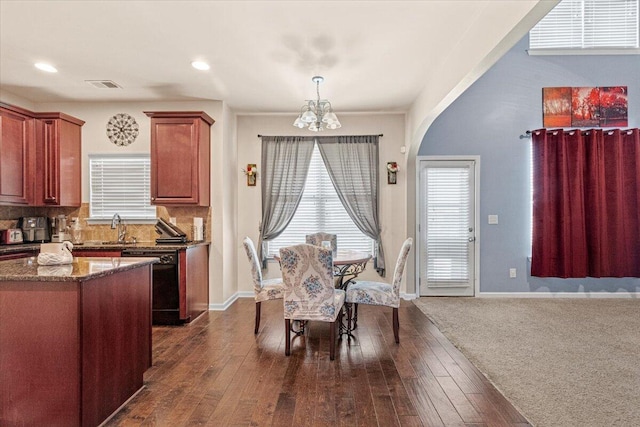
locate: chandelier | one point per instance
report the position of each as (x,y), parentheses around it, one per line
(318,114)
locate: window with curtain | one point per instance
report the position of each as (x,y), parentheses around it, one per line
(120,184)
(586,199)
(320,209)
(587,25)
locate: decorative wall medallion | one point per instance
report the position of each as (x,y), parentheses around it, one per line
(122,129)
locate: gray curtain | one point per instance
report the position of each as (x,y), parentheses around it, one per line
(352,163)
(285,163)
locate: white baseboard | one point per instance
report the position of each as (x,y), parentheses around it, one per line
(408,297)
(246,294)
(231,300)
(224,305)
(602,294)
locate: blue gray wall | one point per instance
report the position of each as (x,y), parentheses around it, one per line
(487,120)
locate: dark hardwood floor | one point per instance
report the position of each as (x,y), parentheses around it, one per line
(216,372)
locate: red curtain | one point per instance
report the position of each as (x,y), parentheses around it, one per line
(586,203)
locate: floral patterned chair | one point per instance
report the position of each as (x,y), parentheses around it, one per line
(317,239)
(378,293)
(309,292)
(265,289)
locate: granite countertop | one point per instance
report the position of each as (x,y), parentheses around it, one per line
(98,245)
(82,268)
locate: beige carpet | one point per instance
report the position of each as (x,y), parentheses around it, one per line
(561,362)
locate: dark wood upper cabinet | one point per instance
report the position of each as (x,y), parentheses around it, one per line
(58,160)
(17,156)
(40,161)
(180,150)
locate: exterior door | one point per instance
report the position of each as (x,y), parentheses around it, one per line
(447,223)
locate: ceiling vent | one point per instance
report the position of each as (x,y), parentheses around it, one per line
(103,84)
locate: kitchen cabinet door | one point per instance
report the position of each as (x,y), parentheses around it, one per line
(180,150)
(17,156)
(59,162)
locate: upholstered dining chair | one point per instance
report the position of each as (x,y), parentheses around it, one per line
(317,239)
(309,292)
(379,293)
(265,289)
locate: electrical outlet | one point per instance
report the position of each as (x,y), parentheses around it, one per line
(512,273)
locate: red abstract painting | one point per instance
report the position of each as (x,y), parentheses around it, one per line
(585,106)
(614,109)
(556,107)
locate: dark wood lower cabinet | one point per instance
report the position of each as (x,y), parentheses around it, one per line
(73,351)
(194,282)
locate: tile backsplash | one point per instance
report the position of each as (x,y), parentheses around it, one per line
(142,232)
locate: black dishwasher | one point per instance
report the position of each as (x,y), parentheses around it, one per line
(166,295)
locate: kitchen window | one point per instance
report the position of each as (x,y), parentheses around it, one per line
(120,184)
(321,210)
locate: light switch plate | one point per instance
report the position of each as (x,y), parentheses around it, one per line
(493,219)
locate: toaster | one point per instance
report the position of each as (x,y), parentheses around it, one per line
(10,236)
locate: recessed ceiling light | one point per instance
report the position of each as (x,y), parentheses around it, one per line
(46,67)
(200,65)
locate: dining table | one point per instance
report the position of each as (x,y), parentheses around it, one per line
(347,265)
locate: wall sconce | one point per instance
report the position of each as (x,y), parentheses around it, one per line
(251,172)
(392,170)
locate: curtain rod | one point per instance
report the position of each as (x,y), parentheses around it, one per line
(527,134)
(380,135)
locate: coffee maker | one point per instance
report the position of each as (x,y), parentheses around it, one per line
(35,229)
(59,229)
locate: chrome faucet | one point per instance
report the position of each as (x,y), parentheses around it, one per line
(117,222)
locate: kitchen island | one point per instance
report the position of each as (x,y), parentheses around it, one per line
(75,339)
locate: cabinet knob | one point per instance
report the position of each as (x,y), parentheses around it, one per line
(153,198)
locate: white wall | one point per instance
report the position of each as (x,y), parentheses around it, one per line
(392,197)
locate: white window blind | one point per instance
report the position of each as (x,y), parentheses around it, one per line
(120,184)
(588,24)
(321,210)
(448,220)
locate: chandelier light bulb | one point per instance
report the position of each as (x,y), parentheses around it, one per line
(299,123)
(330,117)
(309,116)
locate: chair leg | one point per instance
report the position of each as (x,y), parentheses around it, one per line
(258,304)
(287,337)
(355,316)
(332,350)
(396,325)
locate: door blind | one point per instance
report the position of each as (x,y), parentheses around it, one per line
(320,209)
(588,24)
(448,220)
(120,184)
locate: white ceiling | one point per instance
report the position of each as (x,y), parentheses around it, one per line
(374,55)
